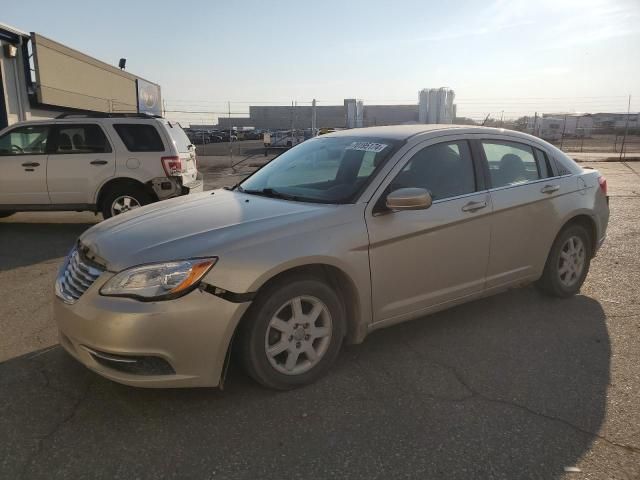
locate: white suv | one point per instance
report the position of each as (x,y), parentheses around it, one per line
(103,163)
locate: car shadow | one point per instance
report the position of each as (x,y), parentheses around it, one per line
(26,244)
(512,386)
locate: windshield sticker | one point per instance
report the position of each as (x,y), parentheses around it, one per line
(367,147)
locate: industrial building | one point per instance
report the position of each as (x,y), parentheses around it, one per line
(41,78)
(434,106)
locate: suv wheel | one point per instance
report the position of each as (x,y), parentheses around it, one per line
(568,262)
(123,199)
(293,333)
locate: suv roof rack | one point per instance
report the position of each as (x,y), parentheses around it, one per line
(106,115)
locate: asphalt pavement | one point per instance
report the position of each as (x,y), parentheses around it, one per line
(518,385)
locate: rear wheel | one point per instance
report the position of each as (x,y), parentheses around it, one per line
(568,262)
(123,199)
(293,333)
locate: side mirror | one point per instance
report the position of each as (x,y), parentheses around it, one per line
(409,199)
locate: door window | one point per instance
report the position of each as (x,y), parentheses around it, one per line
(445,169)
(511,163)
(27,140)
(73,139)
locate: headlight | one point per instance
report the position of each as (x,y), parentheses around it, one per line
(158,281)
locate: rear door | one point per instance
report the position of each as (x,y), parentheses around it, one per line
(185,150)
(23,165)
(422,258)
(523,190)
(81,160)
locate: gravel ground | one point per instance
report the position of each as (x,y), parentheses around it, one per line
(513,386)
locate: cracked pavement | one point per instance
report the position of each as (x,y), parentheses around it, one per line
(513,386)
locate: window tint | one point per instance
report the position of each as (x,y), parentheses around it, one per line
(81,139)
(138,137)
(445,169)
(29,140)
(510,163)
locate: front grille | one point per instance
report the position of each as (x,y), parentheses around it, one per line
(75,278)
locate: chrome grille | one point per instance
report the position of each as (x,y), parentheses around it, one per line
(75,278)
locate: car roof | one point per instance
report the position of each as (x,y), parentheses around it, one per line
(404,132)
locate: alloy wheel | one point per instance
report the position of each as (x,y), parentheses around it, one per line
(298,335)
(123,204)
(571,261)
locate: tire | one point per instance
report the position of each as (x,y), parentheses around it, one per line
(568,263)
(271,323)
(136,195)
(4,214)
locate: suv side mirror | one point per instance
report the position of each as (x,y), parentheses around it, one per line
(409,199)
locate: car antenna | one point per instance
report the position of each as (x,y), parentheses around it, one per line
(485,120)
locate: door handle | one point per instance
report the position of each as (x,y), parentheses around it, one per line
(31,164)
(473,206)
(99,162)
(550,188)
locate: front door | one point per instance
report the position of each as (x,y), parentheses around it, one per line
(23,166)
(423,258)
(80,161)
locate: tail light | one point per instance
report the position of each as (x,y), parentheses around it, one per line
(172,166)
(602,181)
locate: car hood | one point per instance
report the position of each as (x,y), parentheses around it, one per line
(198,225)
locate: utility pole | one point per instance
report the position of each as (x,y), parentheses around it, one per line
(314,118)
(501,119)
(626,128)
(230,133)
(535,122)
(564,128)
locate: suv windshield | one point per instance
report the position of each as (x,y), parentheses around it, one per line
(323,169)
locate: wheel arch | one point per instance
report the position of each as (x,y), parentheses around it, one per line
(587,221)
(342,284)
(119,182)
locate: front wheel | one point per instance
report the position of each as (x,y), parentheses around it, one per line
(568,263)
(293,333)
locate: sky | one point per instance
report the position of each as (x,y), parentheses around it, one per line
(511,56)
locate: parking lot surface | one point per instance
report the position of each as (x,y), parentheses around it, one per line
(514,386)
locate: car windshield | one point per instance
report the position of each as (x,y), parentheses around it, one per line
(322,169)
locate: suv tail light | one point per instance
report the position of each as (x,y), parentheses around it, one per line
(172,166)
(603,184)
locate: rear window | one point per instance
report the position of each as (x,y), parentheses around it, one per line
(139,137)
(178,136)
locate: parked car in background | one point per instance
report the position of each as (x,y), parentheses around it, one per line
(339,236)
(103,163)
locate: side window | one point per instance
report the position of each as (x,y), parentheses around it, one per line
(139,137)
(510,163)
(72,139)
(445,169)
(27,140)
(543,163)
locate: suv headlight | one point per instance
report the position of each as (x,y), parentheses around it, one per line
(158,281)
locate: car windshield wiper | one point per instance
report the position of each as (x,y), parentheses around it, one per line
(269,192)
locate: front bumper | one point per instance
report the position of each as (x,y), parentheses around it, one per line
(175,343)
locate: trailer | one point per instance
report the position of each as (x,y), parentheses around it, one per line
(283,139)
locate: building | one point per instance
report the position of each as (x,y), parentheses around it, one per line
(41,78)
(352,113)
(436,105)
